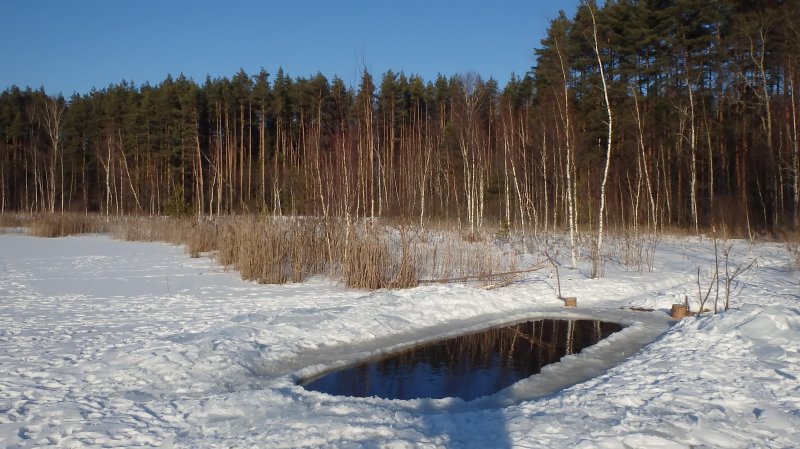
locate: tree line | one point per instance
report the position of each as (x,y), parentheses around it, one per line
(638,114)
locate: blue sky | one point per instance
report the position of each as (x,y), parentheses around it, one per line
(72,46)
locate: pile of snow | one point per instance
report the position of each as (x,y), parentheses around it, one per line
(117,344)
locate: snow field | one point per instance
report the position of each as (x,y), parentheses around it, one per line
(117,344)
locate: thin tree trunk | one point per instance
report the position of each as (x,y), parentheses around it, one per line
(199,174)
(795,153)
(642,156)
(52,117)
(128,173)
(693,153)
(596,259)
(571,179)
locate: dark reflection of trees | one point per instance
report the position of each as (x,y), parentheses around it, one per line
(467,366)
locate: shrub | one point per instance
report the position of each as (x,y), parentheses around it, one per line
(794,253)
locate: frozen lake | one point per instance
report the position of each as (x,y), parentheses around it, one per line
(117,344)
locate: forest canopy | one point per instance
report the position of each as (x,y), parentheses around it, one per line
(703,96)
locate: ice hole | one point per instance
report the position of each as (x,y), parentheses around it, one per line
(468,366)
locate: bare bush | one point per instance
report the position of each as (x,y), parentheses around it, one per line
(794,253)
(450,258)
(731,273)
(792,244)
(633,249)
(638,249)
(725,275)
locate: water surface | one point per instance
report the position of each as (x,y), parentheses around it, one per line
(468,366)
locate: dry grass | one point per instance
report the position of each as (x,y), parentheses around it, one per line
(13,220)
(363,254)
(197,235)
(61,225)
(276,251)
(260,252)
(379,258)
(12,223)
(272,251)
(367,263)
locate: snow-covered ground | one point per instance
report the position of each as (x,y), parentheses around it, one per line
(115,344)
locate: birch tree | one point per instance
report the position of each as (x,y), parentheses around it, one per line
(52,118)
(597,256)
(570,162)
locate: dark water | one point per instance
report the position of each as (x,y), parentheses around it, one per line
(467,367)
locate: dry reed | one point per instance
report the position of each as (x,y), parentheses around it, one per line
(367,264)
(12,223)
(276,250)
(64,224)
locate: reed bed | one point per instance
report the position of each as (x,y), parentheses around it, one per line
(10,222)
(65,224)
(275,250)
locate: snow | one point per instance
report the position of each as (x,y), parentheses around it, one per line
(119,344)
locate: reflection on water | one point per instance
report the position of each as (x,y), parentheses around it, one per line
(467,367)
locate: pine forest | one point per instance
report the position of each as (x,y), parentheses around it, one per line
(652,114)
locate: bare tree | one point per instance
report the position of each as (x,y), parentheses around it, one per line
(693,149)
(642,163)
(570,162)
(52,117)
(471,145)
(795,153)
(762,92)
(596,257)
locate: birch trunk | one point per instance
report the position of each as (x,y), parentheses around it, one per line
(52,117)
(795,154)
(570,165)
(693,152)
(596,258)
